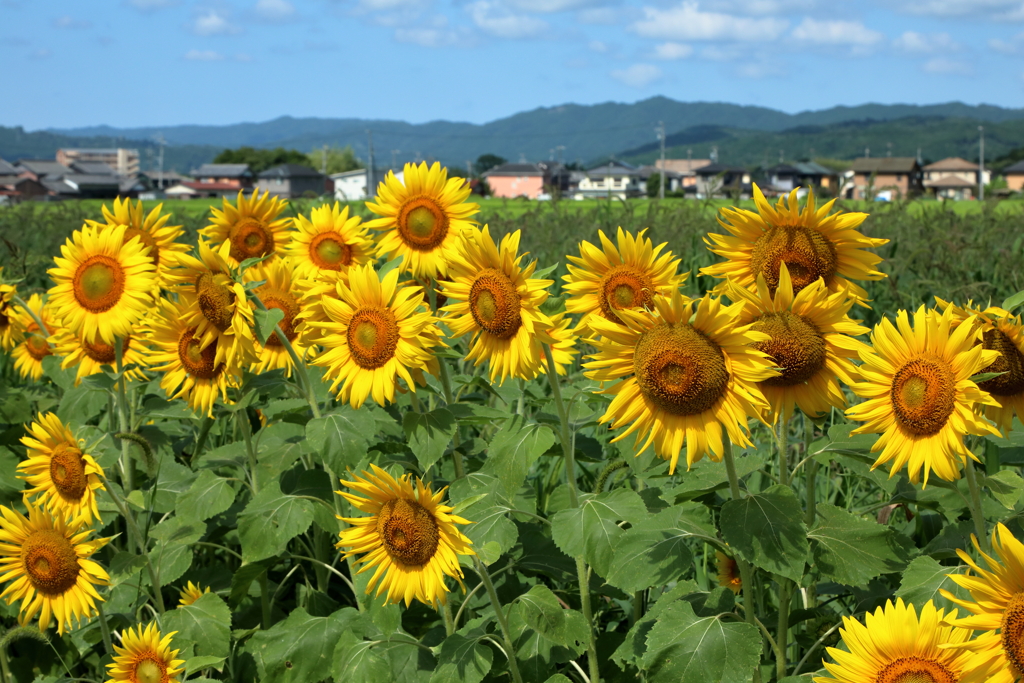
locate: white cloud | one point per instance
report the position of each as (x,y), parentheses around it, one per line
(688,22)
(835,33)
(672,51)
(70,22)
(948,67)
(41,54)
(607,16)
(203,56)
(547,6)
(758,70)
(1010,9)
(242,57)
(151,5)
(762,7)
(1008,47)
(598,46)
(427,37)
(213,23)
(638,75)
(721,53)
(492,18)
(275,10)
(924,43)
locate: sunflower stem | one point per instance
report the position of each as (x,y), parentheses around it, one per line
(449,619)
(243,424)
(812,504)
(569,454)
(204,432)
(127,475)
(39,321)
(5,670)
(264,602)
(108,643)
(140,543)
(499,613)
(305,385)
(977,513)
(446,387)
(785,585)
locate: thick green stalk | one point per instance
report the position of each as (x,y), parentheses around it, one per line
(264,602)
(499,613)
(127,472)
(140,543)
(108,643)
(570,472)
(977,512)
(305,385)
(785,585)
(811,510)
(446,387)
(243,424)
(35,317)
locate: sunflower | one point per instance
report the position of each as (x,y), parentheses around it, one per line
(728,572)
(10,332)
(494,297)
(89,357)
(1004,333)
(377,331)
(189,369)
(422,219)
(893,645)
(145,656)
(810,341)
(677,379)
(47,561)
(604,280)
(251,226)
(28,355)
(64,480)
(191,593)
(329,241)
(151,229)
(279,291)
(811,243)
(920,397)
(104,283)
(408,535)
(562,341)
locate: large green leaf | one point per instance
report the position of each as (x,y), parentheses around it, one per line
(654,551)
(766,530)
(924,578)
(479,499)
(172,555)
(429,434)
(592,529)
(341,437)
(462,660)
(301,648)
(206,622)
(208,496)
(358,661)
(541,611)
(269,521)
(79,404)
(852,550)
(708,475)
(685,648)
(514,449)
(1005,486)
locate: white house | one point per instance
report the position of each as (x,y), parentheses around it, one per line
(615,179)
(350,186)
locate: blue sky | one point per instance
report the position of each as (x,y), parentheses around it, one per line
(165,62)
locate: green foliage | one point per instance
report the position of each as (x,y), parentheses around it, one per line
(765,528)
(261,159)
(339,159)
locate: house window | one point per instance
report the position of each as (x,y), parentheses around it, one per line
(899,177)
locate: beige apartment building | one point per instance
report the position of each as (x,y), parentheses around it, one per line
(124,162)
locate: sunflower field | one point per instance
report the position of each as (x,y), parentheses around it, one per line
(313,447)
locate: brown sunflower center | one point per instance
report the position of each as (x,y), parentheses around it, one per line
(807,253)
(149,669)
(50,562)
(495,304)
(287,304)
(1013,631)
(408,530)
(625,287)
(923,395)
(36,344)
(200,364)
(679,369)
(104,353)
(422,224)
(216,301)
(1010,361)
(67,471)
(329,251)
(796,346)
(915,670)
(372,336)
(98,283)
(250,238)
(146,238)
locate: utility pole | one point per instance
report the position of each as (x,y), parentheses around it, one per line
(371,178)
(888,150)
(661,136)
(981,169)
(160,163)
(559,149)
(323,162)
(394,158)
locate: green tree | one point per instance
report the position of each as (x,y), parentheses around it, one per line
(339,159)
(261,159)
(653,185)
(485,162)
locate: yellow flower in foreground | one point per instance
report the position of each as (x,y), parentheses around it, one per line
(728,572)
(280,291)
(104,283)
(920,397)
(89,358)
(10,332)
(678,380)
(47,562)
(422,219)
(811,243)
(251,226)
(28,355)
(145,656)
(151,229)
(328,242)
(893,645)
(62,478)
(408,536)
(191,593)
(604,280)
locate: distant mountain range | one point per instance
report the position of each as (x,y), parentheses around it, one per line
(585,133)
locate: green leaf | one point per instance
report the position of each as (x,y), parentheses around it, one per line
(558,678)
(840,439)
(429,434)
(300,648)
(243,577)
(922,580)
(206,622)
(266,321)
(269,521)
(1013,301)
(356,662)
(986,376)
(708,475)
(592,529)
(684,648)
(342,437)
(462,660)
(65,379)
(492,532)
(80,404)
(514,449)
(208,496)
(194,664)
(541,611)
(173,553)
(852,550)
(1006,486)
(766,530)
(654,551)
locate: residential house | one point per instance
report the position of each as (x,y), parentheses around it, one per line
(83,180)
(1015,177)
(686,168)
(673,180)
(886,178)
(14,189)
(37,169)
(7,170)
(954,178)
(615,179)
(350,186)
(290,181)
(161,180)
(182,191)
(517,180)
(722,180)
(124,162)
(238,176)
(801,174)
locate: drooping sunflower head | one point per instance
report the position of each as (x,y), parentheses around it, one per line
(251,226)
(493,296)
(280,291)
(894,645)
(422,216)
(679,375)
(89,358)
(376,331)
(328,242)
(10,332)
(145,656)
(408,537)
(626,275)
(151,228)
(29,354)
(47,562)
(728,572)
(812,244)
(104,283)
(920,397)
(61,477)
(191,593)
